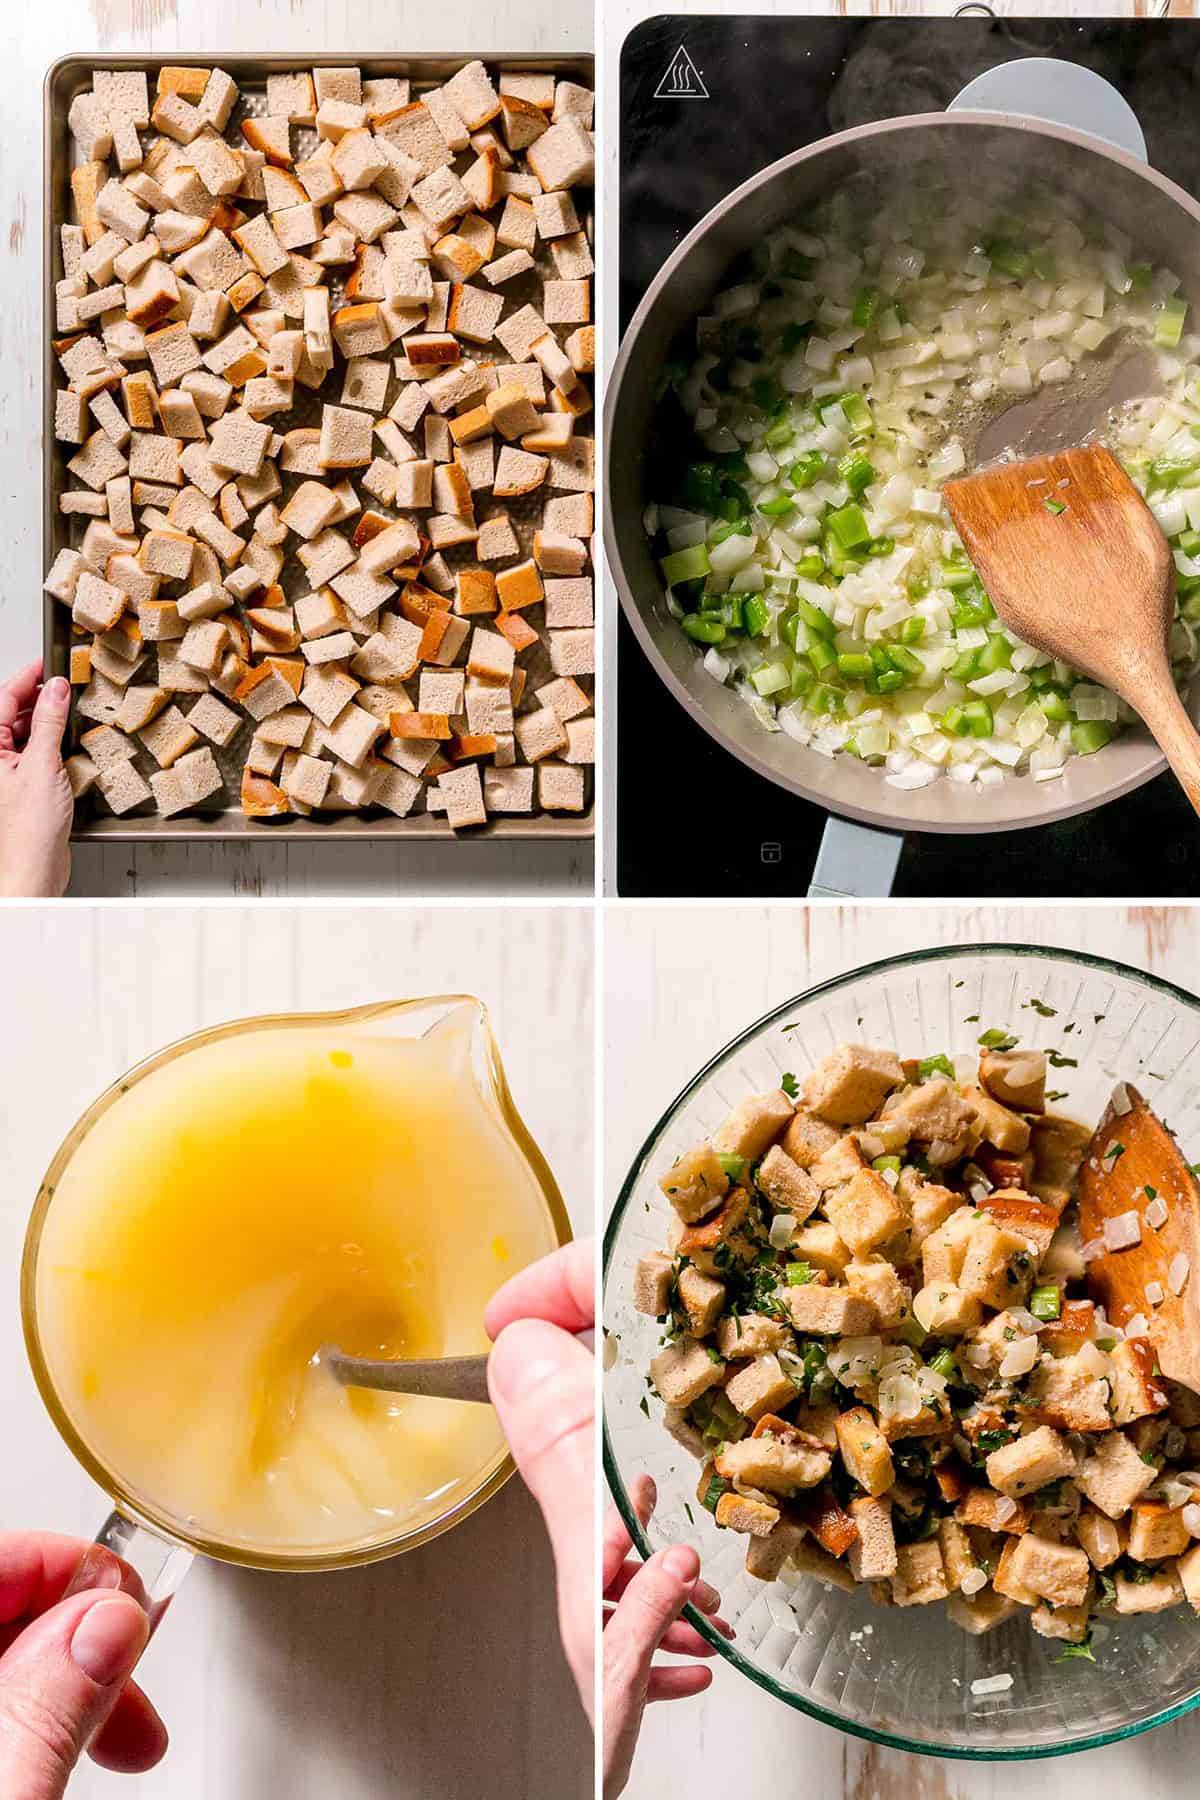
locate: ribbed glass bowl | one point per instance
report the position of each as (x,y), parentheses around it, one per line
(902,1676)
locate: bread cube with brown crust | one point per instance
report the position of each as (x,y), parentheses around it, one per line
(695,1184)
(751,1334)
(731,1235)
(1137,1393)
(1163,1589)
(864,1211)
(702,1299)
(851,1084)
(944,1250)
(1099,1537)
(1156,1531)
(819,1244)
(1031,1461)
(1059,1145)
(1016,1078)
(920,1577)
(875,1278)
(872,1557)
(684,1370)
(997,1266)
(1059,1573)
(807,1138)
(828,1311)
(786,1185)
(865,1450)
(980,1613)
(778,1465)
(753,1124)
(766,1556)
(936,1114)
(1066,1394)
(761,1387)
(945,1310)
(984,1507)
(998,1124)
(740,1512)
(1065,1624)
(838,1164)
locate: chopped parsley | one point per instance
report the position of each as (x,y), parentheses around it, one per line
(643,1406)
(790,1085)
(1083,1650)
(997,1040)
(1056,1094)
(935,1065)
(1058,1061)
(1043,1011)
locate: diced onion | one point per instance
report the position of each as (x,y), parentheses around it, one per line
(1122,1231)
(1178,1272)
(783,1226)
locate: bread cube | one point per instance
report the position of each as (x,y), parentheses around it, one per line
(920,1576)
(761,1387)
(864,1211)
(695,1184)
(787,1186)
(828,1311)
(652,1284)
(865,1450)
(684,1370)
(1031,1461)
(851,1084)
(777,1465)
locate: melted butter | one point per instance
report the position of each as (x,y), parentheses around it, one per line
(247,1204)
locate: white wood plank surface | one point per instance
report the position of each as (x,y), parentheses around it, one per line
(434,1676)
(675,991)
(31,38)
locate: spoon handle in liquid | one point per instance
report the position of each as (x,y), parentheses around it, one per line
(445,1378)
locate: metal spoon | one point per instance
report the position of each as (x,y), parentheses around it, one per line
(441,1378)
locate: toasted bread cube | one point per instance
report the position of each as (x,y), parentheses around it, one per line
(702,1299)
(981,1612)
(851,1083)
(864,1211)
(695,1184)
(864,1449)
(983,1507)
(873,1557)
(1016,1078)
(1099,1537)
(761,1387)
(683,1371)
(998,1266)
(920,1577)
(753,1125)
(731,1234)
(751,1334)
(1188,1572)
(1000,1126)
(876,1280)
(776,1464)
(652,1284)
(1156,1531)
(766,1556)
(944,1251)
(1137,1392)
(943,1309)
(739,1512)
(1032,1461)
(807,1139)
(1055,1572)
(787,1186)
(1066,1394)
(828,1311)
(1163,1589)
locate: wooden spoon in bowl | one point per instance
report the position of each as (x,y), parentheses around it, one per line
(1133,1166)
(1075,563)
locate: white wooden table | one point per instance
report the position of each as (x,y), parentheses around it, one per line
(735,1739)
(434,1676)
(32,36)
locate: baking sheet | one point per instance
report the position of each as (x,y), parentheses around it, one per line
(68,77)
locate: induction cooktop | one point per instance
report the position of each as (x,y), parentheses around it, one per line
(704,104)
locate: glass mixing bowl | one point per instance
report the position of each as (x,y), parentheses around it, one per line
(903,1676)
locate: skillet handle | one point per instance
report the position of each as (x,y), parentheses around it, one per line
(855,861)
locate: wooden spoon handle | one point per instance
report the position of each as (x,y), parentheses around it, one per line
(1168,718)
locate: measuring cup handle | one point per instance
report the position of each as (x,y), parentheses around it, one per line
(137,1560)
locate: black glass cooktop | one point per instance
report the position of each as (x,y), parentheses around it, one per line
(705,102)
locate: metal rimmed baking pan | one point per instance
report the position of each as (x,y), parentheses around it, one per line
(64,79)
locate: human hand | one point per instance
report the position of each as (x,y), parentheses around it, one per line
(642,1604)
(64,1672)
(542,1382)
(35,795)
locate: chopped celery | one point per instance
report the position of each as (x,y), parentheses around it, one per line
(859,416)
(936,1065)
(856,472)
(1055,506)
(977,715)
(704,630)
(905,660)
(806,469)
(943,1364)
(811,566)
(1140,275)
(826,699)
(734,1166)
(912,630)
(821,655)
(996,654)
(756,616)
(853,663)
(848,525)
(782,507)
(882,546)
(812,615)
(779,437)
(1045,1302)
(887,1162)
(866,305)
(798,1274)
(966,667)
(1089,735)
(1168,326)
(1009,257)
(796,267)
(685,565)
(769,678)
(890,683)
(794,336)
(731,528)
(1053,703)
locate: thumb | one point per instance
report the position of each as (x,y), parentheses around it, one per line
(542,1384)
(49,721)
(58,1684)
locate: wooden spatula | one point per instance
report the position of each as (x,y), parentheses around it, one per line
(1133,1162)
(1075,563)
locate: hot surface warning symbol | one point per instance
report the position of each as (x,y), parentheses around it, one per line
(682,80)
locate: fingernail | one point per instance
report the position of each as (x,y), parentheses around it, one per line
(515,1376)
(705,1597)
(58,690)
(109,1639)
(682,1563)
